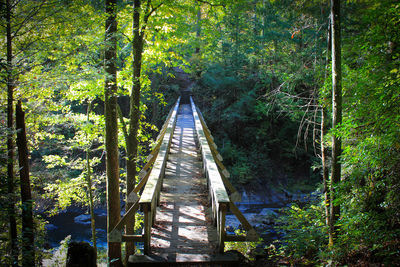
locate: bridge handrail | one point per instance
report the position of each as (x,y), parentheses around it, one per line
(116,234)
(151,192)
(218,194)
(234,194)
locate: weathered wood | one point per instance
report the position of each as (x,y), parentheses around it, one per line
(215,180)
(182,230)
(151,191)
(116,235)
(132,238)
(127,216)
(235,210)
(250,237)
(152,184)
(221,226)
(235,196)
(147,228)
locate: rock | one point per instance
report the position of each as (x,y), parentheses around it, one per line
(268,212)
(258,253)
(82,219)
(80,254)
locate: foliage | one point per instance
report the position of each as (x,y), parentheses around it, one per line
(245,248)
(261,80)
(305,232)
(245,88)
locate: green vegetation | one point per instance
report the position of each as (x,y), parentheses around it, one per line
(261,74)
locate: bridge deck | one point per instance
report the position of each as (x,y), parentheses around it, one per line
(183,231)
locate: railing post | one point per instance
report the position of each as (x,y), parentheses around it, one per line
(147,228)
(221,227)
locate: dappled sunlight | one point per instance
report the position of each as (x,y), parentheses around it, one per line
(183,230)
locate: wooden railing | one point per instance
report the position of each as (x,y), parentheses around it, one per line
(217,182)
(151,177)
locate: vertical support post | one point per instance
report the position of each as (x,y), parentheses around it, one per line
(221,227)
(147,228)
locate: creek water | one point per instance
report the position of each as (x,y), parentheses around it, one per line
(76,223)
(260,209)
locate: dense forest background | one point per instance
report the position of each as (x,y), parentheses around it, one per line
(259,70)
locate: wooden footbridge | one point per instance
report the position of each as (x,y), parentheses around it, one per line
(184,194)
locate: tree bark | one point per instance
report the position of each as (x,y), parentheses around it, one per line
(89,185)
(112,162)
(28,247)
(134,116)
(10,141)
(198,29)
(336,117)
(325,170)
(324,148)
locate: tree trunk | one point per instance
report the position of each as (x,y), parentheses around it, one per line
(134,116)
(336,116)
(325,170)
(324,148)
(10,141)
(198,29)
(112,162)
(28,247)
(89,186)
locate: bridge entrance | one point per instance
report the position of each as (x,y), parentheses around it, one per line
(184,193)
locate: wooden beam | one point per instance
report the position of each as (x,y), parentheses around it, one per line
(127,216)
(147,228)
(152,185)
(221,227)
(132,238)
(251,236)
(215,181)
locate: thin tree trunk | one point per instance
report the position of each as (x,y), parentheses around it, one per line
(89,185)
(325,170)
(10,141)
(112,161)
(134,116)
(198,29)
(324,148)
(336,116)
(28,247)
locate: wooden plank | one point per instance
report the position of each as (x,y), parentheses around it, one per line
(251,236)
(152,185)
(132,238)
(144,174)
(182,230)
(147,228)
(235,197)
(142,182)
(218,160)
(214,177)
(221,227)
(127,216)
